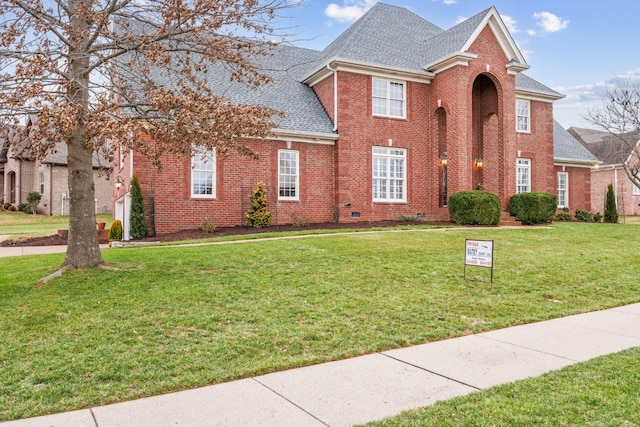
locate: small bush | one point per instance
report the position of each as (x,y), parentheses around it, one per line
(115,232)
(408,218)
(24,207)
(563,216)
(584,216)
(610,209)
(33,199)
(258,216)
(474,207)
(300,219)
(207,225)
(597,217)
(533,208)
(6,206)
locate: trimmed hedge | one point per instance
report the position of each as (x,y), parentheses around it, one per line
(533,208)
(474,207)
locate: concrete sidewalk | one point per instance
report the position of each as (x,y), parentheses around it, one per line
(378,385)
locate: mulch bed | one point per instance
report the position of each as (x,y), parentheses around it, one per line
(55,240)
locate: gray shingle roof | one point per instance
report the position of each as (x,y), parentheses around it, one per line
(527,84)
(609,149)
(566,147)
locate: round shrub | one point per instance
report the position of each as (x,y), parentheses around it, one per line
(533,208)
(474,207)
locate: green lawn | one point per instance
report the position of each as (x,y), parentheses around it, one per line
(600,392)
(19,224)
(170,318)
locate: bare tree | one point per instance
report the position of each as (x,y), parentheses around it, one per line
(99,73)
(620,117)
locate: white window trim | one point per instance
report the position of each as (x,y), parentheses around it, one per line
(41,183)
(390,156)
(388,98)
(636,190)
(566,190)
(527,166)
(200,152)
(297,175)
(528,129)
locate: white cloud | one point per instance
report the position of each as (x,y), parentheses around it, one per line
(461,19)
(549,22)
(447,1)
(532,32)
(510,23)
(349,11)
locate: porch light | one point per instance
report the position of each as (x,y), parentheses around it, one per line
(443,158)
(479,162)
(119,182)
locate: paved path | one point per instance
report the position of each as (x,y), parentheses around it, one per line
(378,385)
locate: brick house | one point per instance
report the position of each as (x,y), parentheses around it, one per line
(20,174)
(612,152)
(390,119)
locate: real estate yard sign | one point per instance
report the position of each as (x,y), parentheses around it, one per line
(478,253)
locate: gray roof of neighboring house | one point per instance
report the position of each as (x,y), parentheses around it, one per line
(566,147)
(608,148)
(527,84)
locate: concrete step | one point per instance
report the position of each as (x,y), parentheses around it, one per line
(507,219)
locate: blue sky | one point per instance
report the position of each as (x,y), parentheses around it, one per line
(577,47)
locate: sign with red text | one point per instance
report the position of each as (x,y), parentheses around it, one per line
(479,253)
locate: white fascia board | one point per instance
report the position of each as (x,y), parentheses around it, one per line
(458,58)
(575,163)
(306,137)
(501,33)
(537,96)
(339,64)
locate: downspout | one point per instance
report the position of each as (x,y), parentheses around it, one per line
(50,189)
(335,96)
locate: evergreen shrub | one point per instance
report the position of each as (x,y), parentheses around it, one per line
(474,207)
(533,208)
(610,209)
(115,232)
(258,216)
(139,227)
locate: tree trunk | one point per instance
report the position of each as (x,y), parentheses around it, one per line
(83,250)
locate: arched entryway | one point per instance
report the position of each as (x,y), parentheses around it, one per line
(487,142)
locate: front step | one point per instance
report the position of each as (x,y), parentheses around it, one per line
(507,219)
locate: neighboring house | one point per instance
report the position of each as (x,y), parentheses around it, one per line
(20,174)
(390,119)
(613,152)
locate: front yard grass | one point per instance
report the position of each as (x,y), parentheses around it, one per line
(164,319)
(601,392)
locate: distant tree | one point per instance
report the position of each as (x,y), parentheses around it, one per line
(95,73)
(138,224)
(33,198)
(610,209)
(620,117)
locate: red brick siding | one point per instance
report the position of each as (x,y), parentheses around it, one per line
(628,203)
(579,187)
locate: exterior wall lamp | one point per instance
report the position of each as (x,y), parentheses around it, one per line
(443,158)
(479,162)
(119,182)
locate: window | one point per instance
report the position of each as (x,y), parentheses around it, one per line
(389,174)
(388,98)
(41,182)
(523,115)
(563,190)
(288,176)
(203,174)
(523,176)
(636,190)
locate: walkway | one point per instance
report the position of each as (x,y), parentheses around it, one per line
(378,385)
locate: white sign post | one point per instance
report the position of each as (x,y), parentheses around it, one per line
(479,253)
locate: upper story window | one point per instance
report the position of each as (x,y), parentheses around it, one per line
(523,176)
(389,98)
(523,115)
(288,175)
(636,190)
(203,174)
(389,174)
(41,182)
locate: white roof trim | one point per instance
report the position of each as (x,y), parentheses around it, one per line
(505,40)
(537,96)
(339,64)
(575,163)
(458,58)
(306,137)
